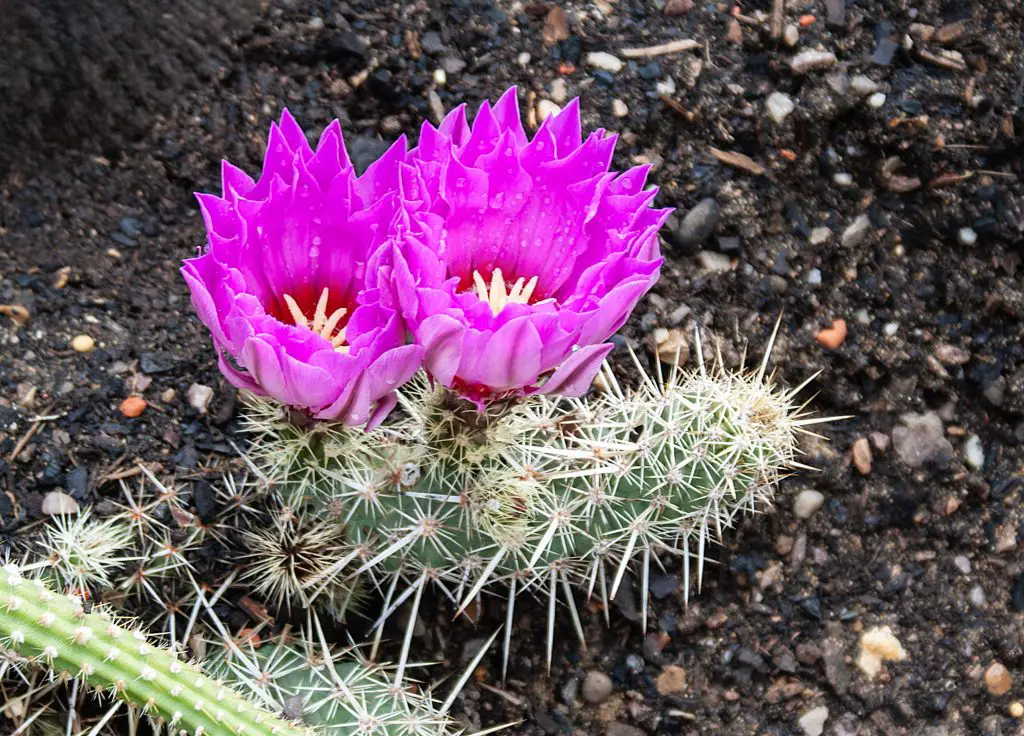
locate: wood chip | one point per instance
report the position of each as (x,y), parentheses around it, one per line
(672,47)
(951,60)
(778,17)
(738,161)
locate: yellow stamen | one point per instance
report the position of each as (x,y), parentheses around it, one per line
(323,324)
(321,312)
(297,316)
(498,296)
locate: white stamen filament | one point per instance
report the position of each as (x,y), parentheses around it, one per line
(322,324)
(498,296)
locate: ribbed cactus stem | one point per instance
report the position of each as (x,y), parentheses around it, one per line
(541,494)
(54,631)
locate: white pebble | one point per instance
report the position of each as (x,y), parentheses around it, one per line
(713,261)
(546,108)
(977,596)
(974,452)
(843,179)
(807,503)
(891,328)
(523,59)
(876,100)
(962,564)
(814,276)
(779,106)
(812,723)
(862,317)
(791,35)
(807,61)
(604,60)
(440,77)
(559,90)
(83,344)
(199,397)
(967,236)
(619,108)
(667,86)
(863,84)
(820,235)
(58,503)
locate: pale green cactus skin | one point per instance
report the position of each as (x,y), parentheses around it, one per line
(54,631)
(540,493)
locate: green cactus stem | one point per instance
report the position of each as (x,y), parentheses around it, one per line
(55,632)
(542,494)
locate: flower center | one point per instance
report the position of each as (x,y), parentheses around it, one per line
(499,295)
(322,323)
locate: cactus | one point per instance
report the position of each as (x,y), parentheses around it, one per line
(330,690)
(54,631)
(540,493)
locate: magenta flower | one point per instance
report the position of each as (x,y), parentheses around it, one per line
(531,254)
(288,285)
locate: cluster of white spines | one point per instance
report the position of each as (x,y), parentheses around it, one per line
(543,493)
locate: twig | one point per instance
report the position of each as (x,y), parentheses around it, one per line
(518,702)
(778,15)
(31,432)
(672,47)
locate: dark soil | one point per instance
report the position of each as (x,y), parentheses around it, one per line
(934,324)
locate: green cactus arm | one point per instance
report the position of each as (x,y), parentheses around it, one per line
(54,631)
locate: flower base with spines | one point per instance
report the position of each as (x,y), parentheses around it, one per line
(544,493)
(54,631)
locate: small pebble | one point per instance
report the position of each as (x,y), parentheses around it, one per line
(666,87)
(604,60)
(820,235)
(791,35)
(807,503)
(891,328)
(998,679)
(863,84)
(832,337)
(559,90)
(83,344)
(779,106)
(807,61)
(133,406)
(842,179)
(672,680)
(714,262)
(440,77)
(814,277)
(546,108)
(619,109)
(861,454)
(856,232)
(974,452)
(597,687)
(523,59)
(876,100)
(57,503)
(962,564)
(878,645)
(977,597)
(168,395)
(967,236)
(1017,709)
(812,723)
(199,397)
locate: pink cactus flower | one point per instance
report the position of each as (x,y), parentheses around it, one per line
(288,285)
(526,254)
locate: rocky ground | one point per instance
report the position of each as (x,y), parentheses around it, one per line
(855,167)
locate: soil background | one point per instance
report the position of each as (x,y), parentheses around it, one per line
(893,202)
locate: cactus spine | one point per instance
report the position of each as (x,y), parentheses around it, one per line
(55,631)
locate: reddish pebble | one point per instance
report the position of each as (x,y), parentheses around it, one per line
(788,155)
(807,20)
(834,336)
(133,406)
